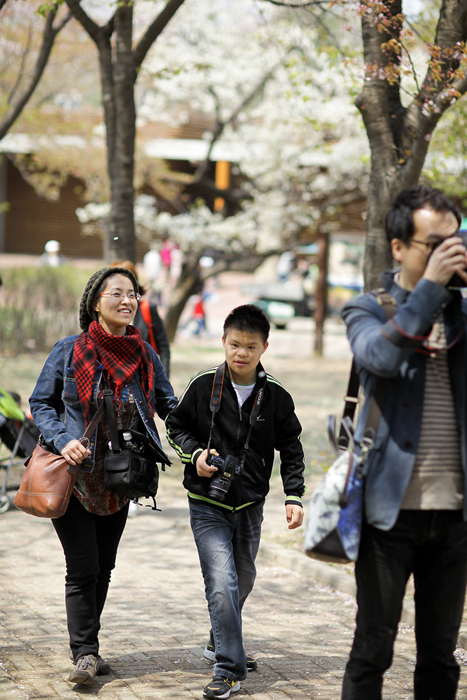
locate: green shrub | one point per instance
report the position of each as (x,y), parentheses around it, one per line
(39,305)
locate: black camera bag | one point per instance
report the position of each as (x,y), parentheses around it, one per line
(128,473)
(131,475)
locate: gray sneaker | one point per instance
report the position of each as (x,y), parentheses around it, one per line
(85,671)
(103,667)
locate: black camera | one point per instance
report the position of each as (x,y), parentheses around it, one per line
(456,282)
(228,469)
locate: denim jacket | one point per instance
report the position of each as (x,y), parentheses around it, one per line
(56,409)
(386,355)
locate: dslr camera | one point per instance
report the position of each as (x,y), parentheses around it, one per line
(228,470)
(455,282)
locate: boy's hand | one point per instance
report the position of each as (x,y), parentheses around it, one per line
(202,467)
(294,515)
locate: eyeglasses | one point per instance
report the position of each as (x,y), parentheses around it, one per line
(132,296)
(429,246)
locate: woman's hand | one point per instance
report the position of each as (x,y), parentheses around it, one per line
(74,452)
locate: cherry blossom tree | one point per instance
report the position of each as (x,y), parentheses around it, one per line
(122,44)
(24,53)
(413,73)
(281,107)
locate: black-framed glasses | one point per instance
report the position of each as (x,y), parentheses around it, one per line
(428,245)
(132,296)
(431,245)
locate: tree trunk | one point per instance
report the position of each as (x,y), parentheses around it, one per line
(122,227)
(118,67)
(321,294)
(399,136)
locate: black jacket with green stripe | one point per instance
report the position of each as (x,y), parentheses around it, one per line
(277,427)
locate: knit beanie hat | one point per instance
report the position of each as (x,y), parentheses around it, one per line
(86,312)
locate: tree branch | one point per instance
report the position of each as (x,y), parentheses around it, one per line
(2,3)
(298,5)
(83,18)
(20,75)
(438,89)
(153,31)
(18,104)
(208,187)
(220,125)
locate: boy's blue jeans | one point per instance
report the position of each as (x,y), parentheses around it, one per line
(227,545)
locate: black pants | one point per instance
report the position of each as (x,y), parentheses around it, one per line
(433,546)
(90,544)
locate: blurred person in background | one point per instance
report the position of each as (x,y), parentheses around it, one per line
(152,269)
(51,255)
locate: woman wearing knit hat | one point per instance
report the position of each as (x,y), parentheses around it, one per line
(148,321)
(63,403)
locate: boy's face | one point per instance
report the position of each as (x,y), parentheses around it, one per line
(242,353)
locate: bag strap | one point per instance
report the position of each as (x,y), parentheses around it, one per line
(85,439)
(147,317)
(93,424)
(388,304)
(111,422)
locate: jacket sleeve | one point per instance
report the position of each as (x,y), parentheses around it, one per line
(291,452)
(381,346)
(165,400)
(46,401)
(181,426)
(161,338)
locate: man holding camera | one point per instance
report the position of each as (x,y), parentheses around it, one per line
(225,429)
(414,367)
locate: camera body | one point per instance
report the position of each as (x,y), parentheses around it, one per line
(455,282)
(228,470)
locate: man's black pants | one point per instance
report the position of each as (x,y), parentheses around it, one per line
(90,544)
(433,546)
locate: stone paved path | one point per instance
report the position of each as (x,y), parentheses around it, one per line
(155,622)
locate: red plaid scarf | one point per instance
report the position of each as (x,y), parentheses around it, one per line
(121,356)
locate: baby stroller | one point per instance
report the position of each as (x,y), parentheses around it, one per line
(18,434)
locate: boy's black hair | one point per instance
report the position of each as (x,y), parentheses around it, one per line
(399,219)
(248,318)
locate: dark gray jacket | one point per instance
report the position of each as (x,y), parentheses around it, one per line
(388,353)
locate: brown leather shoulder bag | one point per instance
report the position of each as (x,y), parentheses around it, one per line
(49,480)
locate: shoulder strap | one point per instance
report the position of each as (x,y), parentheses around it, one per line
(92,425)
(216,396)
(111,422)
(147,317)
(215,404)
(388,304)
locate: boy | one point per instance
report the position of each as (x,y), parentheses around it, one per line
(240,412)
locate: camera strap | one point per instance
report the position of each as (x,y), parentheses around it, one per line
(215,404)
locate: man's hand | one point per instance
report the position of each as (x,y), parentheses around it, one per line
(294,515)
(449,257)
(202,467)
(74,452)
